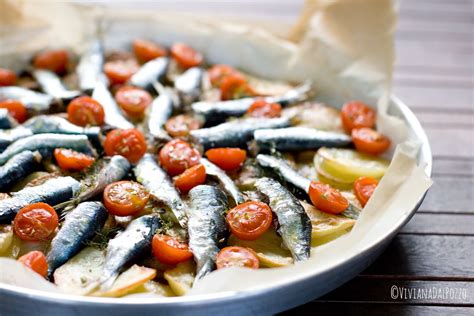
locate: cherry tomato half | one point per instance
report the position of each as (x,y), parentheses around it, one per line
(364,187)
(53,60)
(249,220)
(85,111)
(235,87)
(124,198)
(227,158)
(36,261)
(119,71)
(218,72)
(369,141)
(236,257)
(146,50)
(180,125)
(71,160)
(129,143)
(185,55)
(133,101)
(357,114)
(262,108)
(16,109)
(190,178)
(177,156)
(7,77)
(35,222)
(169,250)
(327,199)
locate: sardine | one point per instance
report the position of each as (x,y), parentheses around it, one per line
(128,246)
(113,115)
(46,143)
(17,168)
(158,183)
(89,69)
(226,182)
(9,136)
(189,84)
(207,227)
(80,225)
(6,121)
(159,111)
(294,224)
(235,133)
(51,84)
(35,102)
(299,138)
(53,191)
(149,73)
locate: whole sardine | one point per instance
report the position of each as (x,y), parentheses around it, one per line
(158,183)
(226,182)
(35,102)
(80,225)
(6,121)
(51,84)
(159,111)
(294,223)
(113,115)
(17,168)
(189,84)
(89,69)
(53,191)
(151,72)
(9,136)
(206,226)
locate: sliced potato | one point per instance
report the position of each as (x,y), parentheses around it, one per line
(268,87)
(181,277)
(268,248)
(81,273)
(325,239)
(128,281)
(154,287)
(328,179)
(6,238)
(315,115)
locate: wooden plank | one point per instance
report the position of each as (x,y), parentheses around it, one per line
(440,224)
(445,119)
(435,98)
(453,167)
(450,195)
(457,142)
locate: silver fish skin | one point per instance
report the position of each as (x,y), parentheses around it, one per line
(9,136)
(113,115)
(6,121)
(46,143)
(189,84)
(128,246)
(207,226)
(17,168)
(159,111)
(51,84)
(294,223)
(299,138)
(158,183)
(89,69)
(227,184)
(235,133)
(80,225)
(150,72)
(35,102)
(53,191)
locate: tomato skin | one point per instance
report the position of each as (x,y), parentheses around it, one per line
(261,108)
(169,250)
(369,141)
(85,111)
(53,60)
(133,101)
(235,87)
(177,156)
(218,72)
(16,109)
(185,56)
(124,198)
(190,178)
(119,71)
(237,257)
(248,221)
(327,199)
(129,143)
(364,187)
(36,261)
(7,77)
(356,115)
(227,158)
(146,50)
(71,160)
(35,222)
(180,125)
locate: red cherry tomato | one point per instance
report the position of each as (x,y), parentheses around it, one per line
(16,109)
(368,141)
(129,143)
(53,60)
(124,198)
(133,101)
(35,222)
(119,71)
(190,178)
(7,77)
(235,87)
(249,220)
(262,108)
(356,115)
(236,257)
(169,250)
(327,199)
(145,50)
(364,187)
(85,111)
(177,156)
(36,261)
(180,125)
(185,55)
(227,158)
(70,160)
(218,72)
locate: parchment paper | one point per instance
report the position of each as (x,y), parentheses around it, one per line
(345,47)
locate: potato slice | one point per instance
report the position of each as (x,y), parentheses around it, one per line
(328,179)
(325,239)
(315,115)
(268,248)
(81,273)
(181,277)
(6,238)
(154,287)
(128,281)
